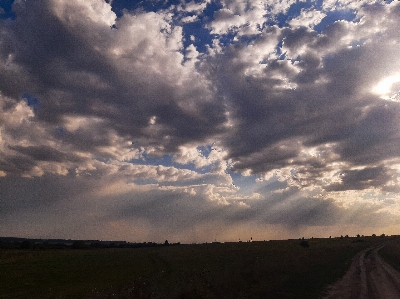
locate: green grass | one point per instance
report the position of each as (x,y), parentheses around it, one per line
(275,269)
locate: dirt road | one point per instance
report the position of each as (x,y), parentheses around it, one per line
(369,277)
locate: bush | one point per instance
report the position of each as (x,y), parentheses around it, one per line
(79,245)
(304,243)
(26,244)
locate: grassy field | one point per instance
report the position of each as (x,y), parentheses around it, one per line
(391,253)
(274,269)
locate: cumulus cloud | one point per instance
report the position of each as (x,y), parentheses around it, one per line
(278,104)
(193,6)
(128,79)
(308,18)
(301,96)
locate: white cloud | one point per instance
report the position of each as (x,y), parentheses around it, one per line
(388,88)
(224,20)
(345,4)
(189,19)
(90,12)
(192,53)
(308,18)
(193,6)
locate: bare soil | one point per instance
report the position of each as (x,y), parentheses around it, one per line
(369,277)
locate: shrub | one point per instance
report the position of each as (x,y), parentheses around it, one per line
(79,245)
(26,244)
(304,243)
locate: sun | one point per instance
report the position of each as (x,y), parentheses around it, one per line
(387,88)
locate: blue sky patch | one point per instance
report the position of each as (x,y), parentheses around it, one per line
(31,100)
(6,9)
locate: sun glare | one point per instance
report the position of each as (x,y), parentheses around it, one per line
(386,89)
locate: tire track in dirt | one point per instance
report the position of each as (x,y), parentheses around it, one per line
(369,277)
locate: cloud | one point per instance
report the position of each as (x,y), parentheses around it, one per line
(362,178)
(90,70)
(193,6)
(109,208)
(308,18)
(235,15)
(318,98)
(155,130)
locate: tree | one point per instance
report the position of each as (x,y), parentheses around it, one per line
(166,243)
(26,244)
(79,245)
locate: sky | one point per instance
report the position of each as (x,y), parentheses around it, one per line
(201,120)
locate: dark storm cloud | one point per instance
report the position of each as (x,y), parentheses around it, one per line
(362,179)
(66,204)
(170,209)
(14,190)
(375,138)
(272,157)
(306,212)
(292,208)
(44,153)
(295,209)
(173,210)
(17,164)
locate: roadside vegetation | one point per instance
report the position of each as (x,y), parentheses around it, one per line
(272,269)
(391,252)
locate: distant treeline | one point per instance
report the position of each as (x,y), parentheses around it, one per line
(24,243)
